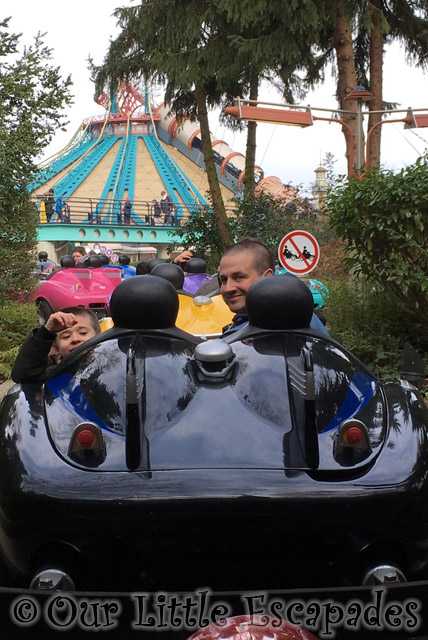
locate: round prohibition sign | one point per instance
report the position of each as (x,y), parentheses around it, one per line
(299,252)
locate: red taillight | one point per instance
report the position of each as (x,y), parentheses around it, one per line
(352,443)
(86,438)
(353,435)
(87,445)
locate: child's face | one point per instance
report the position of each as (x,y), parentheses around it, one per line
(69,339)
(76,255)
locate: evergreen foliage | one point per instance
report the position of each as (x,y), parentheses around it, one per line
(383,219)
(264,217)
(16,322)
(206,53)
(32,95)
(201,232)
(366,322)
(259,216)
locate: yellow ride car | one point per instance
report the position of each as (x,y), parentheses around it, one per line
(202,316)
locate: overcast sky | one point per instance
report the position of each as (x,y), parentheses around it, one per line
(82,28)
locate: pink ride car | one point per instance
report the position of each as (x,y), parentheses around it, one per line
(87,286)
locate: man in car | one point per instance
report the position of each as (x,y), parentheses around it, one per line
(241,266)
(63,332)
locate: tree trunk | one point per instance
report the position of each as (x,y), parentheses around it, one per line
(250,156)
(376,81)
(346,79)
(210,167)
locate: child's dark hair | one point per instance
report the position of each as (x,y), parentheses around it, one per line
(84,311)
(141,268)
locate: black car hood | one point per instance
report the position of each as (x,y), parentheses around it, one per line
(253,415)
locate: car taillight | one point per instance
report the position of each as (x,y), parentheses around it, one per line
(87,445)
(352,444)
(353,435)
(86,438)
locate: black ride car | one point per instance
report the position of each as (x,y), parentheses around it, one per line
(152,459)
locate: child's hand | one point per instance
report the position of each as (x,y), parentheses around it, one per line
(59,321)
(183,257)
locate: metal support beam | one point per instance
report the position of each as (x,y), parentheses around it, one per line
(106,233)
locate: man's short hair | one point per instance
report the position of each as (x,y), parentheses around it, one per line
(84,311)
(80,250)
(263,258)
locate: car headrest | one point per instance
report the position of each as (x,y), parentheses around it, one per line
(124,259)
(144,303)
(196,265)
(279,302)
(94,261)
(43,256)
(171,272)
(153,262)
(104,258)
(89,261)
(67,262)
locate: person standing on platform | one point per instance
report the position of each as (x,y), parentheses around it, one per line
(66,216)
(49,205)
(127,210)
(59,206)
(157,212)
(167,207)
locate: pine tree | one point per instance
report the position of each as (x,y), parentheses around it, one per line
(175,45)
(355,43)
(209,51)
(32,95)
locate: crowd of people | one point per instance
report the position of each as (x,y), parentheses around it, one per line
(160,212)
(240,267)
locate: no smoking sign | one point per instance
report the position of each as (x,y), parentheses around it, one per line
(299,252)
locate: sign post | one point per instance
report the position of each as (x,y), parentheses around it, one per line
(299,252)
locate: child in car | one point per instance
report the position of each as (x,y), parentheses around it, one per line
(63,332)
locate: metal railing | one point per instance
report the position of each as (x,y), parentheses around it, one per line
(79,211)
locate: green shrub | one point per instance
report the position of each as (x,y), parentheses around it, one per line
(366,321)
(16,322)
(383,219)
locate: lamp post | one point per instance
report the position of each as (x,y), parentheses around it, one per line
(359,94)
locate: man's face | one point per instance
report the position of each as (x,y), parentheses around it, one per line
(237,273)
(76,255)
(69,339)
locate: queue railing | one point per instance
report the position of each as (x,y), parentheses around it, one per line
(79,211)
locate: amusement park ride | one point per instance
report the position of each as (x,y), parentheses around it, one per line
(131,151)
